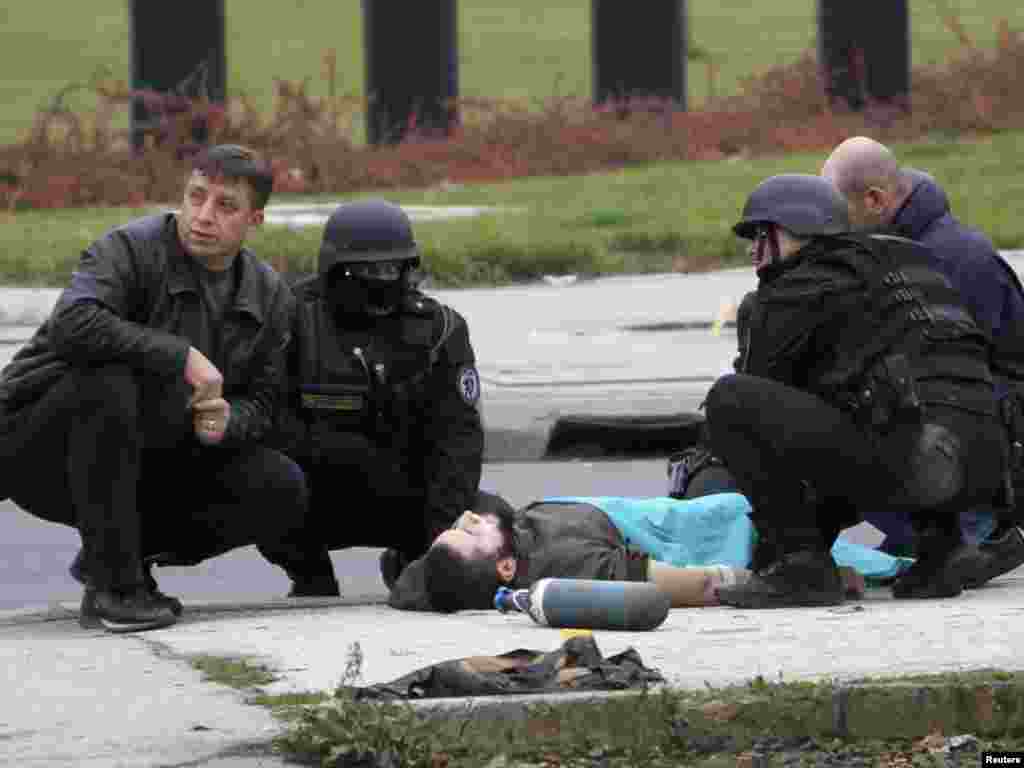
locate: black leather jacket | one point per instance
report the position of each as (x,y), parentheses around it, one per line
(133,299)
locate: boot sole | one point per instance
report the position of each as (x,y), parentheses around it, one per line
(799,600)
(90,618)
(931,594)
(942,584)
(124,627)
(999,563)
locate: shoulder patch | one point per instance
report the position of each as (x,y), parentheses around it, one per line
(468,383)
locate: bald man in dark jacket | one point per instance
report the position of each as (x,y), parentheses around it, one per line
(910,203)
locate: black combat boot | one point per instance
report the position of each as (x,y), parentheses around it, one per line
(793,568)
(1000,553)
(310,570)
(88,617)
(303,586)
(936,572)
(805,578)
(131,610)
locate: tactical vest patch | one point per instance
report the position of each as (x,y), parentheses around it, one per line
(468,383)
(347,402)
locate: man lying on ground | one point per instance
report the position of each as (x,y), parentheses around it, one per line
(688,548)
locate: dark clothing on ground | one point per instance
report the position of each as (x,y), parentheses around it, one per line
(556,540)
(817,431)
(575,666)
(384,418)
(98,398)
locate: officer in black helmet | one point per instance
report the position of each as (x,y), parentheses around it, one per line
(383,404)
(862,383)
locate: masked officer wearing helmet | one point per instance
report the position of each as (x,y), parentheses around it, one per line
(863,384)
(382,409)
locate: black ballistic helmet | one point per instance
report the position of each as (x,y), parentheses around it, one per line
(802,204)
(368,230)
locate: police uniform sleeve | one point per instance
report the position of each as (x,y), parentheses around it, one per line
(453,432)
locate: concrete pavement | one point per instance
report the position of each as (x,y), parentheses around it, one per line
(85,698)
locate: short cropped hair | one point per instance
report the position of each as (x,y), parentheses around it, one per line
(235,162)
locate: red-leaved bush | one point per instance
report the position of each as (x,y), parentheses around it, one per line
(78,159)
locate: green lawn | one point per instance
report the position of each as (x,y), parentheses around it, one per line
(637,219)
(527,49)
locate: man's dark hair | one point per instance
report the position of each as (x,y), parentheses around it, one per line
(454,583)
(233,161)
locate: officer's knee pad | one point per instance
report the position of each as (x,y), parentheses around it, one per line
(722,396)
(936,467)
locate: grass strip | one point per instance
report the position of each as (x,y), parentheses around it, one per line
(944,718)
(662,217)
(948,717)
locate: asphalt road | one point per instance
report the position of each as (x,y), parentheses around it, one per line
(34,554)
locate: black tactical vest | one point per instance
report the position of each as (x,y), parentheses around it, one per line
(917,344)
(371,380)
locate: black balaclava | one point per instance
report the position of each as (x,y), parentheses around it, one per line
(363,299)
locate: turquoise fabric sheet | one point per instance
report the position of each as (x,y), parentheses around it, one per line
(713,529)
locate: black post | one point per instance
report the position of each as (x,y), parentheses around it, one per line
(639,49)
(176,48)
(411,54)
(864,51)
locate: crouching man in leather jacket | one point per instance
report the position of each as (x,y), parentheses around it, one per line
(864,384)
(382,403)
(138,410)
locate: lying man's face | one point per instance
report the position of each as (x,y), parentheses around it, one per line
(467,563)
(473,536)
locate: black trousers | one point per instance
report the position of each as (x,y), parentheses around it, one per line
(361,495)
(111,452)
(809,470)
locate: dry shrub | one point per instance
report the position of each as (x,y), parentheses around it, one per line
(74,159)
